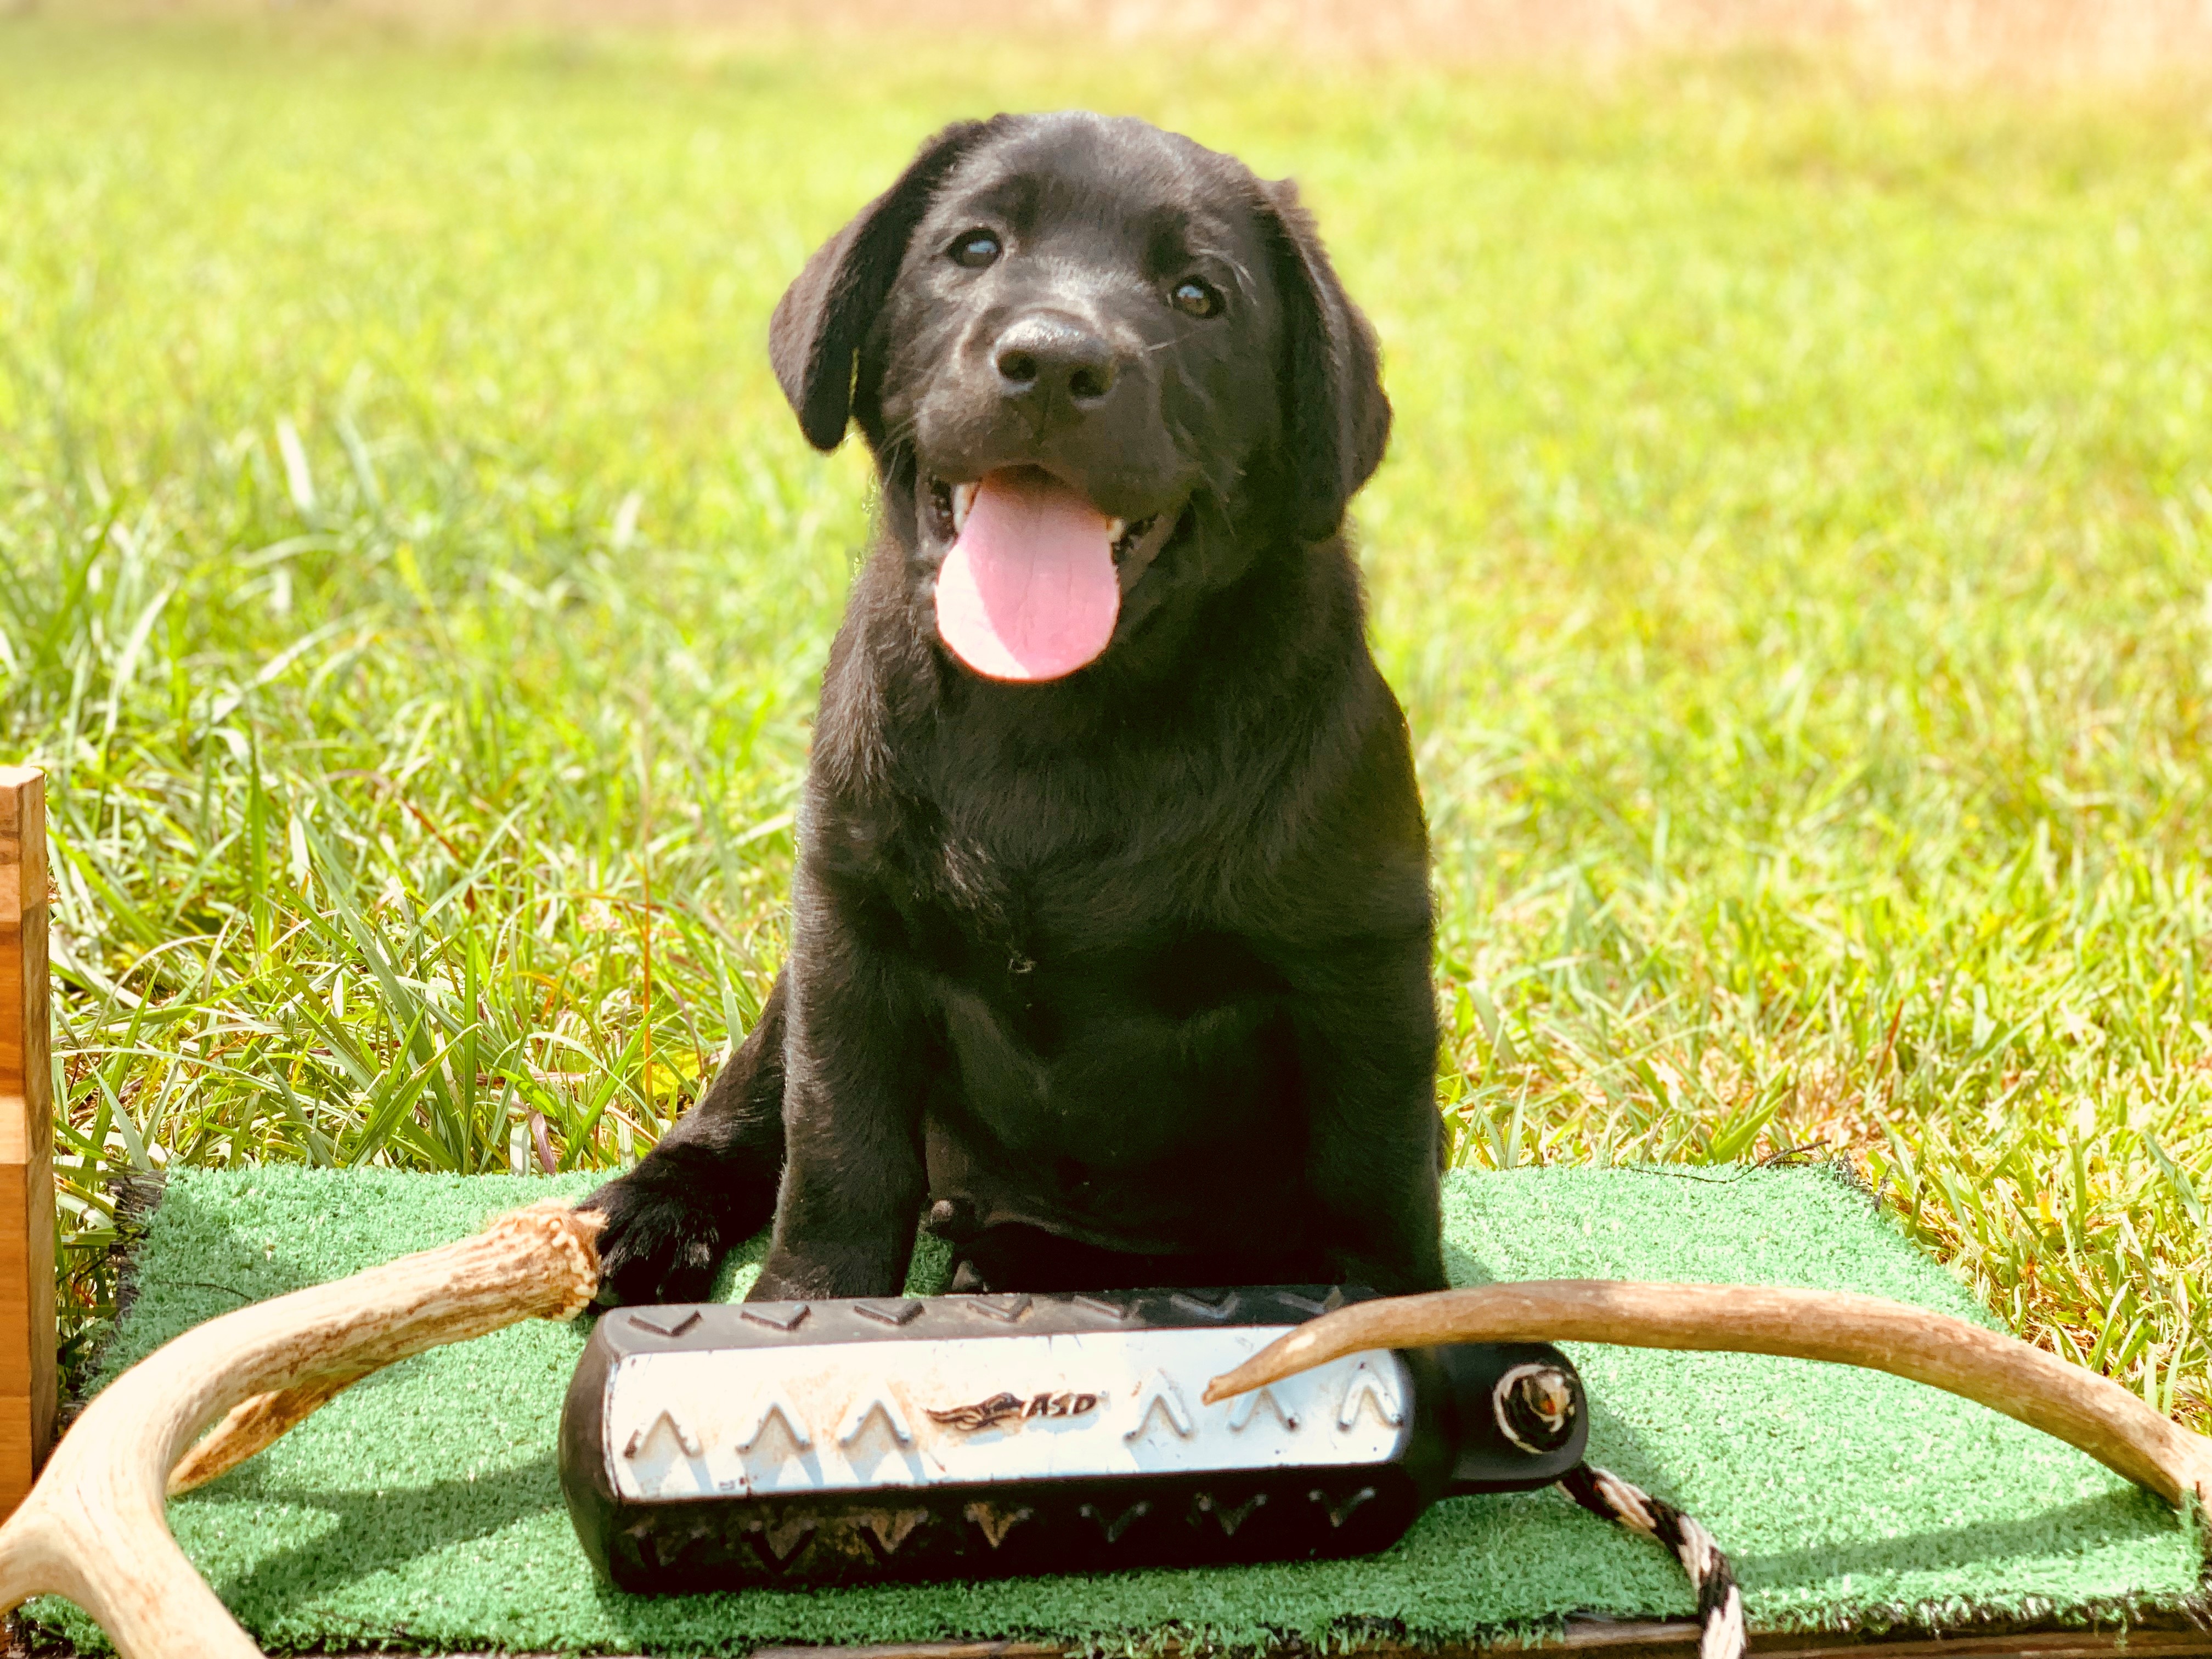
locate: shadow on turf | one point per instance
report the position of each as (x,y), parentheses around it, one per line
(378,1532)
(2110,1517)
(1463,1270)
(231,1271)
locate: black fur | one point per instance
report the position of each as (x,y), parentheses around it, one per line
(1120,978)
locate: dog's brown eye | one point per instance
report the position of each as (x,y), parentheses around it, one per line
(974,249)
(1196,298)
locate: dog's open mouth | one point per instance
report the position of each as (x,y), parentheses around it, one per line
(949,504)
(1032,583)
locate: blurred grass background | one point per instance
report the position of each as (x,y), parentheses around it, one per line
(1793,557)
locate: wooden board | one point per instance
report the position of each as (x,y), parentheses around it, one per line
(1584,1638)
(1671,1639)
(27,1179)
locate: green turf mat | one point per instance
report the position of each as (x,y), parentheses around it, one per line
(422,1509)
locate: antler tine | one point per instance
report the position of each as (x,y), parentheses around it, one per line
(93,1528)
(2002,1372)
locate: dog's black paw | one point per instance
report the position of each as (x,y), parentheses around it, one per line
(660,1244)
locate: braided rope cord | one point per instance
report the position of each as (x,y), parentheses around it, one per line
(1720,1604)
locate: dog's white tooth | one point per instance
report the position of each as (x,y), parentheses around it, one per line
(963,497)
(1114,530)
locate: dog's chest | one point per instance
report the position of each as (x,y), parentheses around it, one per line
(1065,992)
(1050,931)
(974,908)
(1011,864)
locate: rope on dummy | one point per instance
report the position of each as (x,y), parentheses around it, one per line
(1721,1633)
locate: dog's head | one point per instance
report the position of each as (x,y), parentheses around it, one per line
(1101,368)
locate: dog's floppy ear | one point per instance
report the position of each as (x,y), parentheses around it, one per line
(1336,419)
(815,337)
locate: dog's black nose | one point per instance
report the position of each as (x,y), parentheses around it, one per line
(1040,356)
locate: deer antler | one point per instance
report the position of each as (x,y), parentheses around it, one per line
(2004,1373)
(93,1528)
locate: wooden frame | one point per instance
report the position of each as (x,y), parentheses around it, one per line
(1582,1639)
(1658,1638)
(27,1180)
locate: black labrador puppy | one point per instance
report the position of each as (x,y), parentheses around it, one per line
(1111,919)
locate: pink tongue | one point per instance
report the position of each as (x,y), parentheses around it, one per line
(1028,591)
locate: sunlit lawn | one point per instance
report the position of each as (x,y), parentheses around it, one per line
(1793,557)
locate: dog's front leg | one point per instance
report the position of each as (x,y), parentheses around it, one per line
(853,1176)
(1367,1052)
(710,1183)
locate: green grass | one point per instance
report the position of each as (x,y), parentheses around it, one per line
(1795,558)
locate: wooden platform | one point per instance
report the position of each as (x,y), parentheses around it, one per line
(1594,1639)
(1603,1639)
(27,1128)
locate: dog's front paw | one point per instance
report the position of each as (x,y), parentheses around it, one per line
(659,1243)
